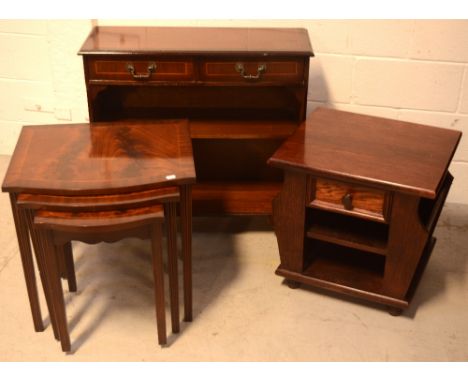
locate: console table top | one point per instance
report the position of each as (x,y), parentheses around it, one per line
(197,40)
(101,158)
(406,157)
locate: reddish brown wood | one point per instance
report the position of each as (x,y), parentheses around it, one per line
(228,129)
(170,214)
(22,234)
(101,158)
(45,279)
(186,228)
(186,40)
(289,220)
(59,227)
(234,198)
(374,246)
(99,202)
(158,283)
(117,68)
(51,265)
(200,79)
(363,200)
(360,148)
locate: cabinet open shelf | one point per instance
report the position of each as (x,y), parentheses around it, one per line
(245,129)
(234,198)
(348,231)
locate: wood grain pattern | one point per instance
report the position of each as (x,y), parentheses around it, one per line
(186,40)
(380,152)
(57,227)
(254,115)
(21,224)
(116,68)
(102,158)
(389,169)
(99,202)
(329,194)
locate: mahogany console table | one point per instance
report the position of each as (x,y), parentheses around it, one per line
(244,91)
(361,198)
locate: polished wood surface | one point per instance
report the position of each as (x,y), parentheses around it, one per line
(58,227)
(101,158)
(377,151)
(349,199)
(359,204)
(189,40)
(99,202)
(244,91)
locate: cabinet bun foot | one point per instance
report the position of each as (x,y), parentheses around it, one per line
(394,311)
(293,284)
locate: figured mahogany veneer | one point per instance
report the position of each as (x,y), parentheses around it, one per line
(360,201)
(80,168)
(244,91)
(101,158)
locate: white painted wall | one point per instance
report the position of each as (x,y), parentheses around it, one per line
(412,70)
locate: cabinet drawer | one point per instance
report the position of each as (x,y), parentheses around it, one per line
(349,199)
(253,70)
(140,70)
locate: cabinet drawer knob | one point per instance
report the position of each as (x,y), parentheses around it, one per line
(151,68)
(239,67)
(347,201)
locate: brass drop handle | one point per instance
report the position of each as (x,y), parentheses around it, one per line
(239,67)
(347,201)
(151,68)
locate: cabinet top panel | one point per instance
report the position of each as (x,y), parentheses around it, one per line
(397,155)
(197,40)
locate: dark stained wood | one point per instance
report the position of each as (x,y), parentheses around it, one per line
(101,158)
(232,198)
(45,279)
(21,225)
(187,41)
(350,232)
(99,202)
(372,191)
(230,129)
(93,220)
(158,283)
(364,201)
(289,221)
(379,152)
(170,214)
(167,69)
(56,291)
(249,110)
(59,227)
(186,228)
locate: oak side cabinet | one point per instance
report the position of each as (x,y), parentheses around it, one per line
(360,201)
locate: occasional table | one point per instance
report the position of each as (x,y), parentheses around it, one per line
(361,198)
(118,163)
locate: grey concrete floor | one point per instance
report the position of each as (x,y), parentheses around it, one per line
(242,311)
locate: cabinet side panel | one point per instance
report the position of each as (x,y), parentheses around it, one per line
(407,239)
(289,220)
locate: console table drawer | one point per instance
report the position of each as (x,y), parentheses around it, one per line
(349,198)
(253,70)
(147,70)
